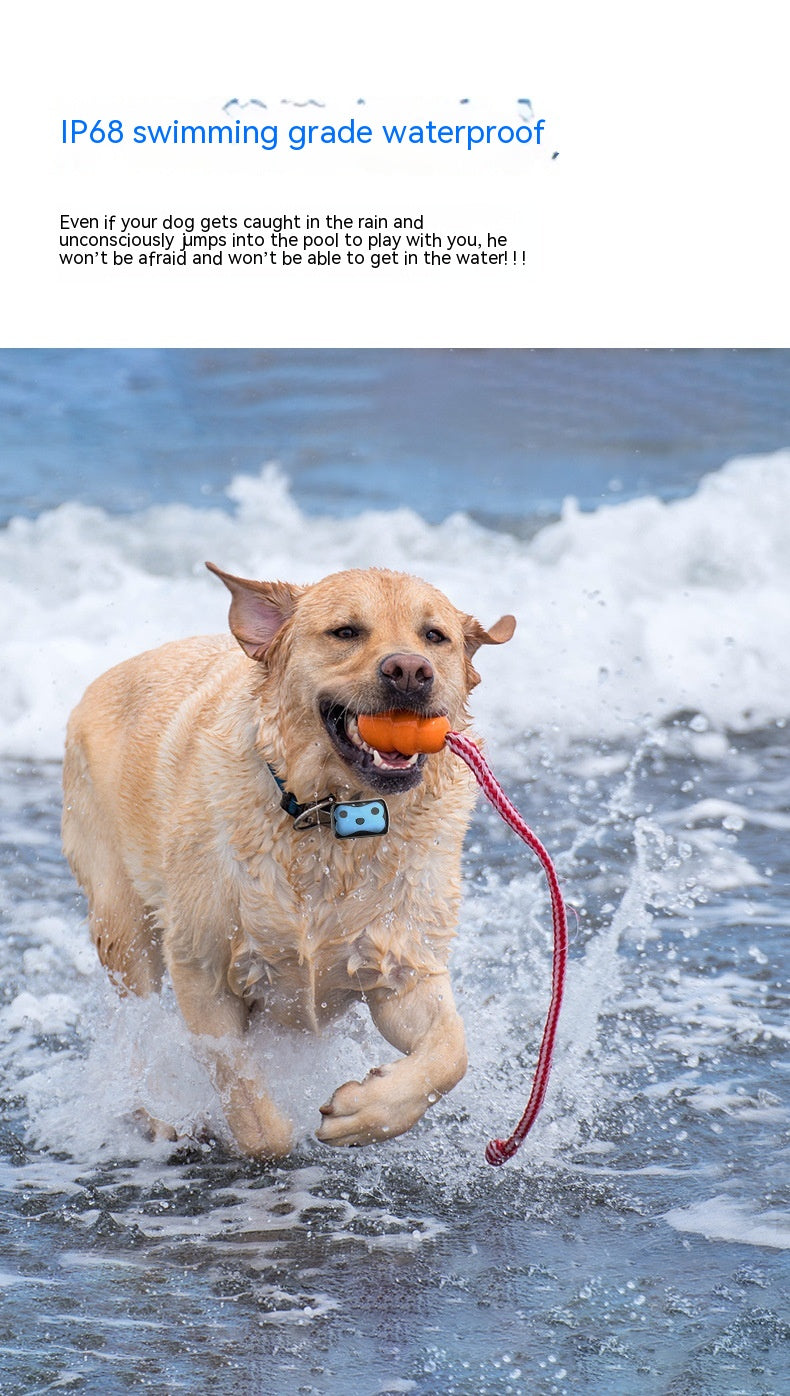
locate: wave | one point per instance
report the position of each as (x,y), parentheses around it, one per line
(724,1218)
(629,618)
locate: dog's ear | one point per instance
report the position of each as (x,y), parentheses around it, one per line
(475,635)
(257,609)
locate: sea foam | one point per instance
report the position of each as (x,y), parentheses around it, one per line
(626,616)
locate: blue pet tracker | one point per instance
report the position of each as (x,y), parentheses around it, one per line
(355,819)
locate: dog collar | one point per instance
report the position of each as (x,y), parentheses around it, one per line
(348,819)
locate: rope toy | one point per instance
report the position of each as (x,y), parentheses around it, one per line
(405,733)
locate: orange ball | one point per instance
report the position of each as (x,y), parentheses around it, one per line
(403,732)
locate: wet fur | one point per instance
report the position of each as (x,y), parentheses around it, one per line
(172,824)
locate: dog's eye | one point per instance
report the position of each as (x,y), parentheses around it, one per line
(346,632)
(435,637)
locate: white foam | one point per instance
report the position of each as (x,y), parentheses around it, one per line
(626,615)
(724,1218)
(50,1013)
(729,815)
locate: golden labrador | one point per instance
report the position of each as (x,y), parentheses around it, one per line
(228,823)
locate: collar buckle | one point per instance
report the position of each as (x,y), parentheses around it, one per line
(309,816)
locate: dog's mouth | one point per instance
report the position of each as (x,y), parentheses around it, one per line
(381,770)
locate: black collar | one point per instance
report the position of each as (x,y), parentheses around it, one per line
(303,816)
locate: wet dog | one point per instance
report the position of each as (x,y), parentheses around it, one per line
(205,785)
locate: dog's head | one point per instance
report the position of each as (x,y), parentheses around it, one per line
(362,641)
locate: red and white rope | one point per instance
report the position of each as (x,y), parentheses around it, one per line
(498,1151)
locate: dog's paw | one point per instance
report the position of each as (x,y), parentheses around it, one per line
(366,1112)
(257,1126)
(151,1128)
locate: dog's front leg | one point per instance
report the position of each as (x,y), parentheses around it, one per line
(219,1023)
(423,1022)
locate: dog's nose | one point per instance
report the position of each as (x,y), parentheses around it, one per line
(407,673)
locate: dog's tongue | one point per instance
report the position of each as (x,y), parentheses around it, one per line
(393,758)
(402,733)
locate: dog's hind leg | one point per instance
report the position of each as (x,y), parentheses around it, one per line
(125,932)
(128,941)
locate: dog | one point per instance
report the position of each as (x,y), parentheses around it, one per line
(203,787)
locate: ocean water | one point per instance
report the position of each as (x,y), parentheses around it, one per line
(631,510)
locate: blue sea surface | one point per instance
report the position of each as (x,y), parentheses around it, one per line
(504,435)
(630,508)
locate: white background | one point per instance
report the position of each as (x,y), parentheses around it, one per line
(663,220)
